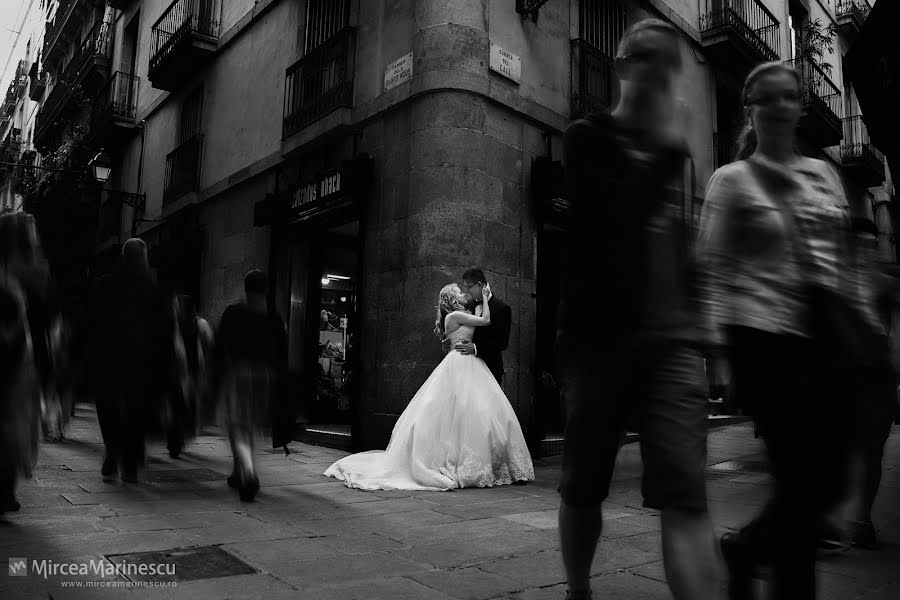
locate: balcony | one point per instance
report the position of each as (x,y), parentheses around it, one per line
(183,170)
(860,158)
(113,112)
(20,79)
(851,14)
(320,82)
(51,115)
(821,121)
(63,29)
(38,83)
(10,151)
(182,40)
(739,34)
(593,79)
(90,63)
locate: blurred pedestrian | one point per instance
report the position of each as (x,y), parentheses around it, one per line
(24,285)
(132,359)
(252,350)
(625,355)
(876,398)
(773,236)
(189,398)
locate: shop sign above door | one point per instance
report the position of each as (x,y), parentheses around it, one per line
(506,63)
(318,195)
(399,71)
(324,188)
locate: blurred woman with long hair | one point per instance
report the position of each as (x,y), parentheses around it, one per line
(773,238)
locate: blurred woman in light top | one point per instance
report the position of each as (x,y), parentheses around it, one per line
(775,224)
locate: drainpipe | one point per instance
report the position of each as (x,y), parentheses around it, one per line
(134,211)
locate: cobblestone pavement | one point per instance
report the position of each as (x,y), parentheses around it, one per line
(307,536)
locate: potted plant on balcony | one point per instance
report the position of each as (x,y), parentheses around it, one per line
(815,40)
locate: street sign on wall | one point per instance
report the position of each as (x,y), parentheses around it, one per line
(506,63)
(399,71)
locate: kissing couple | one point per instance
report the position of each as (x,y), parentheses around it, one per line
(459,430)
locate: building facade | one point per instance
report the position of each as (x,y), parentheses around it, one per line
(365,153)
(20,104)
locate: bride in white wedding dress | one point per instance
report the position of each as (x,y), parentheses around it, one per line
(459,430)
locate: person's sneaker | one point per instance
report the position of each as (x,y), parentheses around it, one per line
(248,490)
(588,595)
(129,474)
(110,466)
(831,540)
(864,535)
(9,504)
(233,481)
(740,571)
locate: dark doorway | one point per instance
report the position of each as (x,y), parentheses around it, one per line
(323,329)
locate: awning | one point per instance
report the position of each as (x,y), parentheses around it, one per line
(873,64)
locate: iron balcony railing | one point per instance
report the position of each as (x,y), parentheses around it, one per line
(818,90)
(96,45)
(118,98)
(751,19)
(181,19)
(856,142)
(320,82)
(593,79)
(857,8)
(51,108)
(183,169)
(38,85)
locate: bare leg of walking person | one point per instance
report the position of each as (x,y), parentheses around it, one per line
(689,554)
(579,532)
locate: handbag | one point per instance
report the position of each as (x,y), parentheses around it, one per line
(852,347)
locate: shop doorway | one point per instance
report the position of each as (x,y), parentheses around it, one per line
(324,332)
(549,420)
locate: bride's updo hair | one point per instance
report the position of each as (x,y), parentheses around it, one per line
(447,303)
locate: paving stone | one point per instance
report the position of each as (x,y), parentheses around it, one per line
(468,584)
(461,552)
(282,551)
(545,519)
(472,530)
(392,588)
(617,528)
(324,571)
(495,509)
(126,495)
(238,587)
(362,543)
(655,571)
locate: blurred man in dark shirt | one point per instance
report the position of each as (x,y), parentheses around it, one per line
(626,322)
(132,358)
(252,347)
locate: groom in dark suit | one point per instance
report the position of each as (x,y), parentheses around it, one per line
(489,341)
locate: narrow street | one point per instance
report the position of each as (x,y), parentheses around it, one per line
(310,537)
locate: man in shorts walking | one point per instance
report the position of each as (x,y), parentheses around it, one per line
(627,350)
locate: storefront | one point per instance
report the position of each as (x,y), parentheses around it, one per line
(316,259)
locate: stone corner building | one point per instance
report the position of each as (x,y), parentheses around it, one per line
(367,152)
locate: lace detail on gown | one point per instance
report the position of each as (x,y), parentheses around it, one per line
(459,430)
